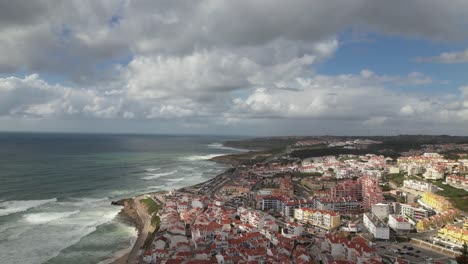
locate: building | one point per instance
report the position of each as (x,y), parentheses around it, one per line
(271,203)
(381,210)
(282,204)
(434,173)
(420,186)
(346,189)
(371,192)
(393,170)
(398,223)
(339,205)
(320,218)
(366,190)
(336,249)
(460,182)
(436,202)
(235,190)
(376,226)
(413,212)
(293,229)
(455,235)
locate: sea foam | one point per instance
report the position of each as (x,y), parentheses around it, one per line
(12,207)
(203,157)
(42,218)
(176,179)
(156,187)
(158,175)
(220,146)
(152,169)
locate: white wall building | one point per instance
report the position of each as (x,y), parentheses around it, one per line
(433,173)
(381,210)
(376,226)
(414,213)
(420,186)
(398,223)
(393,169)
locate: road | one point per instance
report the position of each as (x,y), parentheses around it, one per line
(147,227)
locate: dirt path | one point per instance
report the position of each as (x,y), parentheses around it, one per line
(147,227)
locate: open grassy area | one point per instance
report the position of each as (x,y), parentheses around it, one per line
(450,191)
(151,205)
(460,203)
(247,158)
(396,178)
(155,221)
(153,209)
(262,143)
(458,197)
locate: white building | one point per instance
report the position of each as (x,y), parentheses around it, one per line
(376,226)
(381,210)
(393,169)
(420,186)
(414,169)
(398,223)
(197,203)
(433,173)
(414,213)
(432,155)
(293,229)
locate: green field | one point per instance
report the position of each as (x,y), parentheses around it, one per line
(396,178)
(458,197)
(151,205)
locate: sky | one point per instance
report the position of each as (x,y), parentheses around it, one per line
(244,67)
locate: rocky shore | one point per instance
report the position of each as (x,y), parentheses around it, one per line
(129,213)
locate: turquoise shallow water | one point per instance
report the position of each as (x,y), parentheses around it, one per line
(56,189)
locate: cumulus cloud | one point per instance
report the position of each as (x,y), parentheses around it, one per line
(332,97)
(71,37)
(214,62)
(32,96)
(447,57)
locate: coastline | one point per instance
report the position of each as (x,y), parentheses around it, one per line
(131,213)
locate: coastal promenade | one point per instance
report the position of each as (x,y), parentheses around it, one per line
(147,227)
(133,256)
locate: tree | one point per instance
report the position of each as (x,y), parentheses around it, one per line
(463,258)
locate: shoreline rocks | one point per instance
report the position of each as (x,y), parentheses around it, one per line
(129,213)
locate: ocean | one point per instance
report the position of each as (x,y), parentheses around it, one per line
(56,189)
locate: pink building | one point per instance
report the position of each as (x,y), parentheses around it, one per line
(365,189)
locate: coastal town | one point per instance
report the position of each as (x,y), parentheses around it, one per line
(345,208)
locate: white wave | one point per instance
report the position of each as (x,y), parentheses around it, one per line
(84,202)
(187,168)
(11,207)
(152,169)
(176,179)
(158,175)
(42,218)
(156,187)
(116,193)
(58,230)
(203,157)
(221,146)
